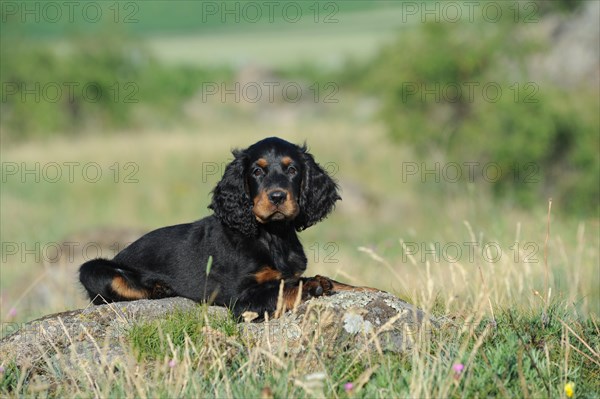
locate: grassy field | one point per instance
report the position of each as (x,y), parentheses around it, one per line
(519,288)
(324,36)
(514,354)
(328,45)
(370,239)
(165,178)
(161,17)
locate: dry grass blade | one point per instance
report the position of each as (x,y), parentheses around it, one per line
(280,309)
(298,297)
(381,260)
(365,377)
(546,271)
(522,380)
(594,353)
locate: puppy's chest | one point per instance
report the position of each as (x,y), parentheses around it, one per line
(283,255)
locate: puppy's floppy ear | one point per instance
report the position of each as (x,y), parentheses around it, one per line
(230,200)
(319,192)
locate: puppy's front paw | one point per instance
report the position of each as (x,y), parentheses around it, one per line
(316,286)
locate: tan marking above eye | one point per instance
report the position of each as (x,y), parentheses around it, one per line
(286,161)
(263,163)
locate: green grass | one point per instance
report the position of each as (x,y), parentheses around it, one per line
(186,35)
(515,354)
(166,337)
(170,17)
(519,353)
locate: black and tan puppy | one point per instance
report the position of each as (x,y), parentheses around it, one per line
(268,192)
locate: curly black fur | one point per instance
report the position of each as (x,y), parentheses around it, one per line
(318,196)
(268,192)
(231,201)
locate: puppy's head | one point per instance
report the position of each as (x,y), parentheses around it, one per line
(273,181)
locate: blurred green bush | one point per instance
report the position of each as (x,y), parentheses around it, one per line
(91,82)
(463,90)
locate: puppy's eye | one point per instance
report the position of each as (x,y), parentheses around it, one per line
(258,172)
(292,171)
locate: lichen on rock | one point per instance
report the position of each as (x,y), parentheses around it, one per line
(363,321)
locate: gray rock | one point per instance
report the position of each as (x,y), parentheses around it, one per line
(347,320)
(363,321)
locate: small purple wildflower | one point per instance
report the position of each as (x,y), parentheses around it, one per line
(1,369)
(12,312)
(172,363)
(348,387)
(458,368)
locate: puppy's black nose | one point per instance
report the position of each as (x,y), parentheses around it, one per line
(277,197)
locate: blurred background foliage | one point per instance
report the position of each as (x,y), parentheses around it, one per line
(406,89)
(477,81)
(533,121)
(96,83)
